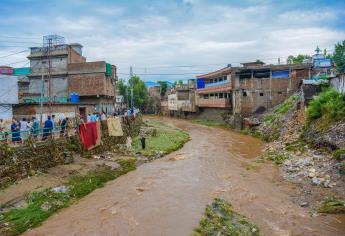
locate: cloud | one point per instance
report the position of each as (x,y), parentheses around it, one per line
(187,32)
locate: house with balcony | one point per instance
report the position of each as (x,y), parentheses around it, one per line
(250,88)
(214,93)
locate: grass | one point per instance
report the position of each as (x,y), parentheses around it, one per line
(329,104)
(332,205)
(211,123)
(339,154)
(285,107)
(164,139)
(220,219)
(41,205)
(276,157)
(298,145)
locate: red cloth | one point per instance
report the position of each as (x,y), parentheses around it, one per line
(88,134)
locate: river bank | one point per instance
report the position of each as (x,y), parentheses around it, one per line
(30,201)
(169,195)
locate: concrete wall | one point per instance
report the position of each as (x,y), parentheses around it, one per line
(59,65)
(8,89)
(339,83)
(211,113)
(59,86)
(255,95)
(59,110)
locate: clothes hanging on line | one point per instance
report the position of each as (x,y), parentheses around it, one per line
(114,127)
(88,134)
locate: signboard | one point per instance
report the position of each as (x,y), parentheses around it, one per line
(119,99)
(6,71)
(322,63)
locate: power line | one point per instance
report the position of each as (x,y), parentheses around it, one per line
(15,53)
(16,37)
(12,63)
(26,42)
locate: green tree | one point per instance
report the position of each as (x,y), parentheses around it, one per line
(180,82)
(298,59)
(164,87)
(339,56)
(123,89)
(140,93)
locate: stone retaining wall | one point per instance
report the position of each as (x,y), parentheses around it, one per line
(22,161)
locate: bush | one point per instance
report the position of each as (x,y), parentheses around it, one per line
(339,154)
(329,104)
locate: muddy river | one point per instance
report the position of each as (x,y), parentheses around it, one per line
(168,196)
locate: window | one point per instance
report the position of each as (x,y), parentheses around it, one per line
(221,95)
(244,93)
(280,92)
(261,94)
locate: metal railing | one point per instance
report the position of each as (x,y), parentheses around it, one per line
(21,136)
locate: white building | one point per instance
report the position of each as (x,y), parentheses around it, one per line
(8,96)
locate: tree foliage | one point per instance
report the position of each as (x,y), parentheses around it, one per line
(297,59)
(140,93)
(339,56)
(164,87)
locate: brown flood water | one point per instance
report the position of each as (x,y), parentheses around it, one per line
(168,196)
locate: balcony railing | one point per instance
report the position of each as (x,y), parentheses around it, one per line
(214,102)
(222,86)
(216,83)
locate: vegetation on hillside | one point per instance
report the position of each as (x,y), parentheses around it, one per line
(329,105)
(339,56)
(273,122)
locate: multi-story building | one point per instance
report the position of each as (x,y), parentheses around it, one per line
(182,99)
(58,70)
(94,82)
(252,88)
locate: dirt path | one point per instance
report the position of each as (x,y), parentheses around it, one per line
(168,196)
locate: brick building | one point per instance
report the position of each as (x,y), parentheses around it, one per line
(252,88)
(94,82)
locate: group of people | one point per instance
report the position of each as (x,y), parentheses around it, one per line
(25,128)
(22,130)
(94,117)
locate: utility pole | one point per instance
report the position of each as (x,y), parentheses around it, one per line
(50,75)
(42,93)
(131,75)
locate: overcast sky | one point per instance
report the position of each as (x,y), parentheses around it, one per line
(173,39)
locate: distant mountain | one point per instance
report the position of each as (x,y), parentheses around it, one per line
(150,84)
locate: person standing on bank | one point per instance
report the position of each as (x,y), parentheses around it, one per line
(142,136)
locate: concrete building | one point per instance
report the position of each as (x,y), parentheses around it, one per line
(182,100)
(95,83)
(252,88)
(61,56)
(8,96)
